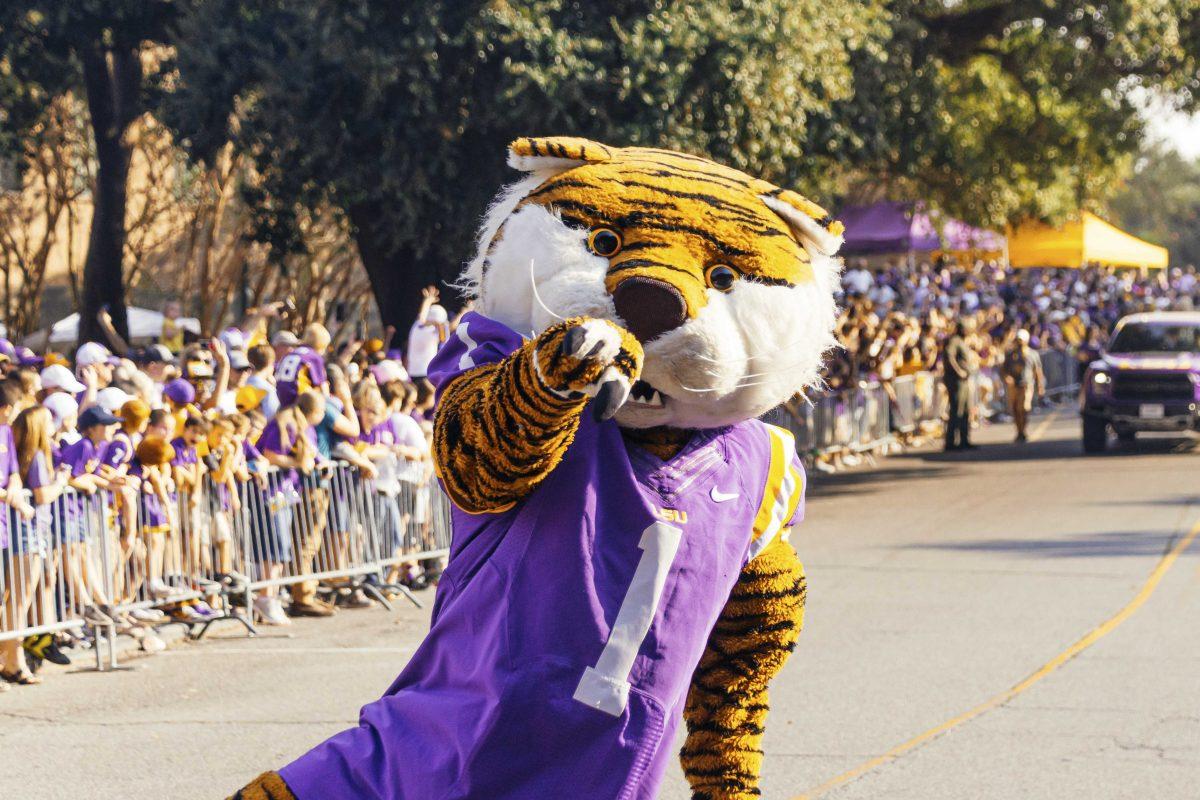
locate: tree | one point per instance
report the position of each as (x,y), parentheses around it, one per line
(39,214)
(98,48)
(398,114)
(1161,202)
(1001,109)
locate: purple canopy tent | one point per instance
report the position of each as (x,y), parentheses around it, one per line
(896,227)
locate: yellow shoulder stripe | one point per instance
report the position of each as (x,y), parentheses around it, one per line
(785,487)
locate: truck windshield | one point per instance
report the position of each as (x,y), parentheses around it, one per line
(1140,338)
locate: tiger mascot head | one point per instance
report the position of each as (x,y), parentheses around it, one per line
(726,280)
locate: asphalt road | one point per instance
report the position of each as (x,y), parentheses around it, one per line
(937,584)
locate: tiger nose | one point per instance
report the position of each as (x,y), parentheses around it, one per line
(649,307)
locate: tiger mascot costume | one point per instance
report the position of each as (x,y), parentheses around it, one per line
(615,571)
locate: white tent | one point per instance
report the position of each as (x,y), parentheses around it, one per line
(143,324)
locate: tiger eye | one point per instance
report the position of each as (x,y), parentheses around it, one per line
(720,277)
(604,242)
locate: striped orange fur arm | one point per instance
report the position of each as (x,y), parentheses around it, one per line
(502,428)
(726,708)
(268,786)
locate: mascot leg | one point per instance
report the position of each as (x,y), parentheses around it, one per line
(727,703)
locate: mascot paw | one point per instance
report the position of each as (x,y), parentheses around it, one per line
(590,357)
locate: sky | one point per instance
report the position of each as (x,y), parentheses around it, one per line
(1182,131)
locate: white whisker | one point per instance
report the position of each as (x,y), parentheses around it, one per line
(537,295)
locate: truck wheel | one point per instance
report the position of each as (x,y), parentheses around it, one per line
(1095,435)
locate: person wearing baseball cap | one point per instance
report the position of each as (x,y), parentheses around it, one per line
(57,378)
(63,410)
(111,398)
(249,398)
(28,358)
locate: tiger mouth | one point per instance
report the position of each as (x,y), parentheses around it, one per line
(646,395)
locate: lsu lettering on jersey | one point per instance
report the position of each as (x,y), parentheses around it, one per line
(566,629)
(297,372)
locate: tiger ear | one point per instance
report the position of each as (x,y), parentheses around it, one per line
(811,223)
(542,153)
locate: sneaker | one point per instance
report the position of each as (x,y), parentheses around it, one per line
(42,647)
(314,608)
(186,613)
(159,588)
(151,643)
(357,599)
(270,611)
(203,609)
(151,615)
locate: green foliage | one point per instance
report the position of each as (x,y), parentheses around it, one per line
(1161,203)
(401,114)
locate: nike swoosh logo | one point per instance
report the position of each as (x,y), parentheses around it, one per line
(720,497)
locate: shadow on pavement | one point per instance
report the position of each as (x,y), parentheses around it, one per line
(1079,545)
(1058,449)
(860,480)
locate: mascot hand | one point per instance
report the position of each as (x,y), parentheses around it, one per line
(592,358)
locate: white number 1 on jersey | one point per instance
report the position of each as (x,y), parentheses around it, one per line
(606,685)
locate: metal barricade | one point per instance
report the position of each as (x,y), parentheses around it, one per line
(81,560)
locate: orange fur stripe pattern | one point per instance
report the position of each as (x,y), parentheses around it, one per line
(726,707)
(268,786)
(500,429)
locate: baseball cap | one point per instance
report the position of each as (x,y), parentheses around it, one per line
(238,360)
(1023,335)
(95,415)
(91,353)
(56,376)
(60,407)
(111,398)
(248,398)
(285,339)
(28,358)
(7,350)
(179,391)
(387,371)
(156,354)
(233,339)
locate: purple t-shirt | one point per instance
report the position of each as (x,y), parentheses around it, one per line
(383,433)
(117,452)
(272,441)
(8,466)
(301,369)
(82,456)
(589,670)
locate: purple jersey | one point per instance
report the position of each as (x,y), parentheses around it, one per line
(118,451)
(567,628)
(298,371)
(8,468)
(185,454)
(384,433)
(272,440)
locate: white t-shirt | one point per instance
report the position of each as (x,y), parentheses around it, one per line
(409,434)
(423,344)
(859,280)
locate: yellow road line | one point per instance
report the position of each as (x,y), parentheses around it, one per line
(1093,636)
(1044,425)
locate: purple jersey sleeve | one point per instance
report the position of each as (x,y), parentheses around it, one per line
(39,475)
(300,369)
(116,453)
(80,457)
(477,341)
(250,451)
(185,454)
(269,441)
(8,454)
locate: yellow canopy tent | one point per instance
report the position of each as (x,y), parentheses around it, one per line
(1088,240)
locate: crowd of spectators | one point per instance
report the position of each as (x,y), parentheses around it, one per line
(894,320)
(145,427)
(253,415)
